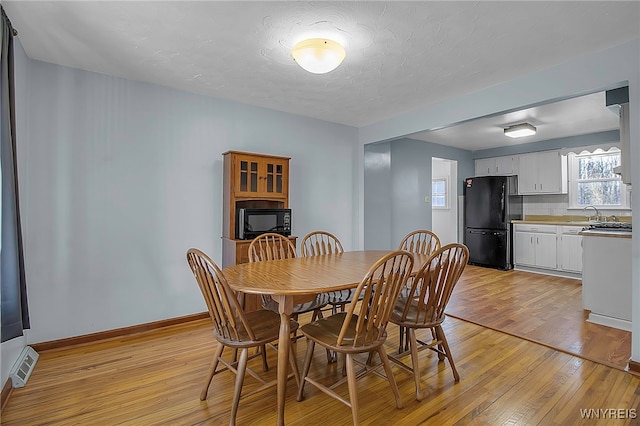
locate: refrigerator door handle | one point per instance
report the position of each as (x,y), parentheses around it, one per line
(502,212)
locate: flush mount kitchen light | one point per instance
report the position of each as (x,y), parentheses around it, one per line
(520,130)
(318,55)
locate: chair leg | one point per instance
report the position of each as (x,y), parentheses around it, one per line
(212,371)
(441,350)
(353,391)
(415,365)
(447,351)
(390,376)
(265,364)
(305,368)
(401,339)
(331,356)
(403,344)
(241,368)
(317,314)
(294,365)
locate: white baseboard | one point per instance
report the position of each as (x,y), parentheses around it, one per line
(609,321)
(553,272)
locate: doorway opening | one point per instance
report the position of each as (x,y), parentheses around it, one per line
(444,199)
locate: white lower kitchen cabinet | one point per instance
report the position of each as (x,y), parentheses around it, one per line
(535,245)
(606,280)
(570,249)
(550,249)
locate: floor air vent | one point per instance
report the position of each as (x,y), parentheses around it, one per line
(23,367)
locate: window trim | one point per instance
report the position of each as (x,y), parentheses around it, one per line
(625,190)
(446,206)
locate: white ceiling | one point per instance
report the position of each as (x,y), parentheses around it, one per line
(571,117)
(400,55)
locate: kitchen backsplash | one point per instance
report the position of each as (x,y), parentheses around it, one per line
(558,205)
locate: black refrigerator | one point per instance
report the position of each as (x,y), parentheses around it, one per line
(490,204)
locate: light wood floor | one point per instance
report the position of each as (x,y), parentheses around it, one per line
(542,308)
(155,378)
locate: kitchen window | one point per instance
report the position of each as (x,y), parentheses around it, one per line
(439,193)
(593,182)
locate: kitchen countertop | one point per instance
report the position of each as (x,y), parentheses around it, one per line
(563,222)
(578,221)
(607,233)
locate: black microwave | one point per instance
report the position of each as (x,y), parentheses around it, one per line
(253,222)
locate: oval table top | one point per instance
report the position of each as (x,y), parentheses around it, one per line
(307,275)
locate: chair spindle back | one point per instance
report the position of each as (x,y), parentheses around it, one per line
(320,242)
(224,309)
(379,289)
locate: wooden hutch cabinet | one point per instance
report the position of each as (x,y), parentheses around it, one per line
(250,181)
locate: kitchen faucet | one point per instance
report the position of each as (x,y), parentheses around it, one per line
(596,210)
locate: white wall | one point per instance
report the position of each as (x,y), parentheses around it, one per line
(609,68)
(119,178)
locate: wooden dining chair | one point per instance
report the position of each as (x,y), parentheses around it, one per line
(272,246)
(420,241)
(319,243)
(361,329)
(424,305)
(236,329)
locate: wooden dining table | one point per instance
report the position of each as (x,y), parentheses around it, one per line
(287,279)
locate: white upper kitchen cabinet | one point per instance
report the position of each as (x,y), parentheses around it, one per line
(497,166)
(542,173)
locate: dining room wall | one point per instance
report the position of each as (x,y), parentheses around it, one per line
(119,178)
(399,185)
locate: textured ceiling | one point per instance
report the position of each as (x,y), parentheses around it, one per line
(400,55)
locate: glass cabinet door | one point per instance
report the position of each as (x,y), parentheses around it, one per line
(275,178)
(248,176)
(257,177)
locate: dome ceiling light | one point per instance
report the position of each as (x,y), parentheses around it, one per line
(318,55)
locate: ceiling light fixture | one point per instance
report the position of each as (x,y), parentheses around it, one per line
(520,130)
(318,55)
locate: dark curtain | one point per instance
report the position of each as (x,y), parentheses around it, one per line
(15,315)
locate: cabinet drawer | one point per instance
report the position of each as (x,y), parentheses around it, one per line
(570,230)
(526,227)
